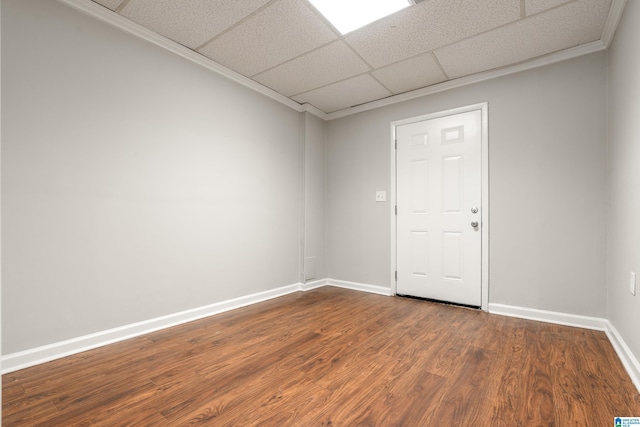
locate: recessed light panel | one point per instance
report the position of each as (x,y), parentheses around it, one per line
(349,15)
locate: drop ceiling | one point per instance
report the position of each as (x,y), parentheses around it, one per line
(290,48)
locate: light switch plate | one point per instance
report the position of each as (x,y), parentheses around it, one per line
(381,196)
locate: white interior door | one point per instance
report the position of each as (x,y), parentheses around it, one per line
(439,194)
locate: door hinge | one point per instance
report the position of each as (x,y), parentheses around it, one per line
(396,210)
(396,144)
(396,275)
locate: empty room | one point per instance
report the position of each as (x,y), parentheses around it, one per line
(258,212)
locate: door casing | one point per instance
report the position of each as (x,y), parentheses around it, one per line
(484,108)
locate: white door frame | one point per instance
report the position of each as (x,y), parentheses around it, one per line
(484,108)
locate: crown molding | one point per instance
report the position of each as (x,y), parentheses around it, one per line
(101,13)
(315,111)
(551,58)
(610,27)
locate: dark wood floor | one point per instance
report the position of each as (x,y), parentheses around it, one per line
(333,357)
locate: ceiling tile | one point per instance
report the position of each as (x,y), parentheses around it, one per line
(345,94)
(410,74)
(288,46)
(282,31)
(536,6)
(321,67)
(429,25)
(111,4)
(189,22)
(576,23)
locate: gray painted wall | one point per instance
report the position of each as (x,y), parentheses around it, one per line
(314,197)
(623,309)
(135,184)
(547,154)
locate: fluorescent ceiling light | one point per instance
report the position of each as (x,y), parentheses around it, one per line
(348,15)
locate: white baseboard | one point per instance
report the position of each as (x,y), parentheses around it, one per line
(627,358)
(373,289)
(24,359)
(35,356)
(629,361)
(575,320)
(314,284)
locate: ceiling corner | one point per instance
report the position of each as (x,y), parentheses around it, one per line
(611,25)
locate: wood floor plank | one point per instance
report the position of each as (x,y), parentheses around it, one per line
(29,415)
(262,379)
(512,354)
(334,357)
(400,400)
(589,369)
(540,408)
(267,386)
(465,400)
(102,405)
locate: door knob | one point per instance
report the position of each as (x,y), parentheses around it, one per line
(474,224)
(474,210)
